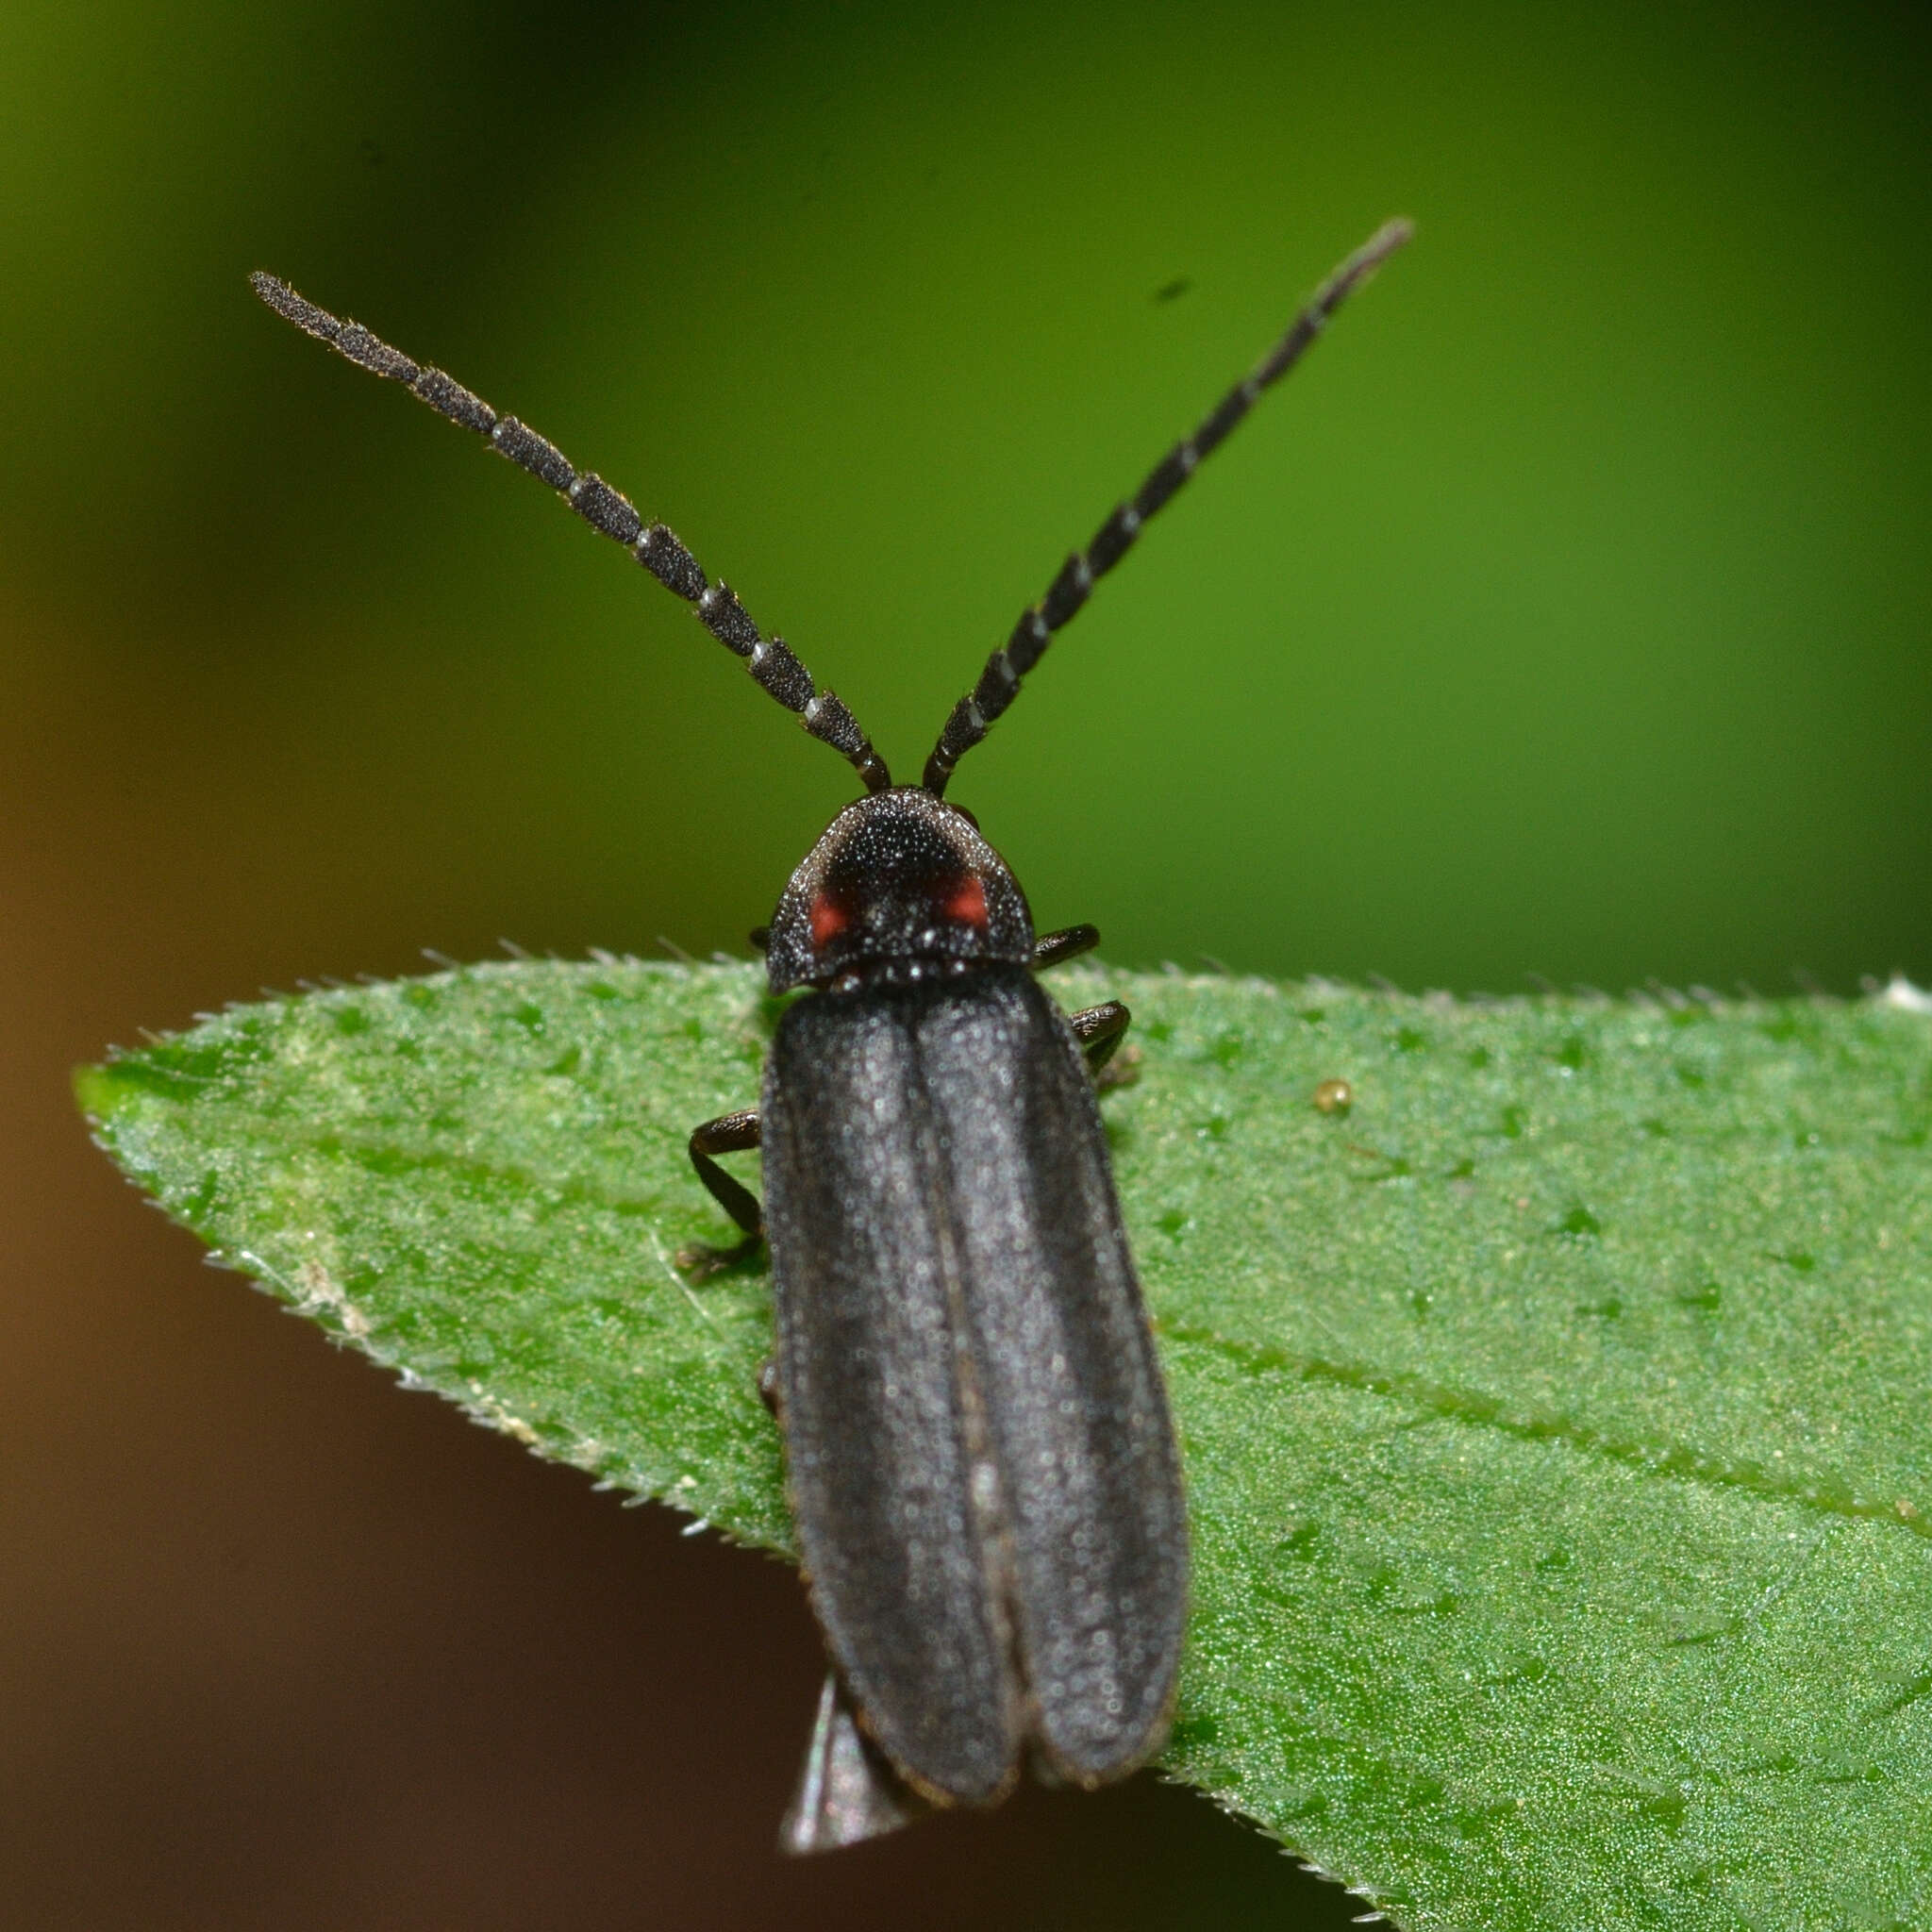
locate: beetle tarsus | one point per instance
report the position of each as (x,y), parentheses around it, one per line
(698,1262)
(1056,948)
(1100,1032)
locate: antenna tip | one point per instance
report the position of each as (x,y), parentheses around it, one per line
(1363,263)
(1392,235)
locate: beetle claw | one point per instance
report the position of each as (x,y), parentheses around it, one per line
(699,1261)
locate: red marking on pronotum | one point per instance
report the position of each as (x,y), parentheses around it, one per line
(828,919)
(968,903)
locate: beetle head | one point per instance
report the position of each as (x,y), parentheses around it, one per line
(901,886)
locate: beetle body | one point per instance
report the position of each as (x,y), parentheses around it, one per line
(981,1463)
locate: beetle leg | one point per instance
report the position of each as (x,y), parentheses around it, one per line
(1068,943)
(730,1133)
(1099,1030)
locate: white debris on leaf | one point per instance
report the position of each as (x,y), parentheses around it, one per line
(320,1290)
(314,1291)
(1901,994)
(485,1408)
(513,1426)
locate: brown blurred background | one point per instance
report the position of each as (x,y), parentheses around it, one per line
(1568,615)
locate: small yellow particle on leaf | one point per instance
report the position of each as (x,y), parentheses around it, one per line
(1334,1096)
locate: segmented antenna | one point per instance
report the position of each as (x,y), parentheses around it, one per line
(768,659)
(999,683)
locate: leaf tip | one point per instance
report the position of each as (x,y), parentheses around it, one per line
(97,1093)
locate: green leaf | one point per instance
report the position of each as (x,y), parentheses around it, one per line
(1555,1415)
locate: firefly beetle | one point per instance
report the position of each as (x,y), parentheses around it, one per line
(980,1459)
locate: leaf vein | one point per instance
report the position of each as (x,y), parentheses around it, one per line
(1484,1411)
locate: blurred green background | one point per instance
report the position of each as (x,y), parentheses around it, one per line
(1565,615)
